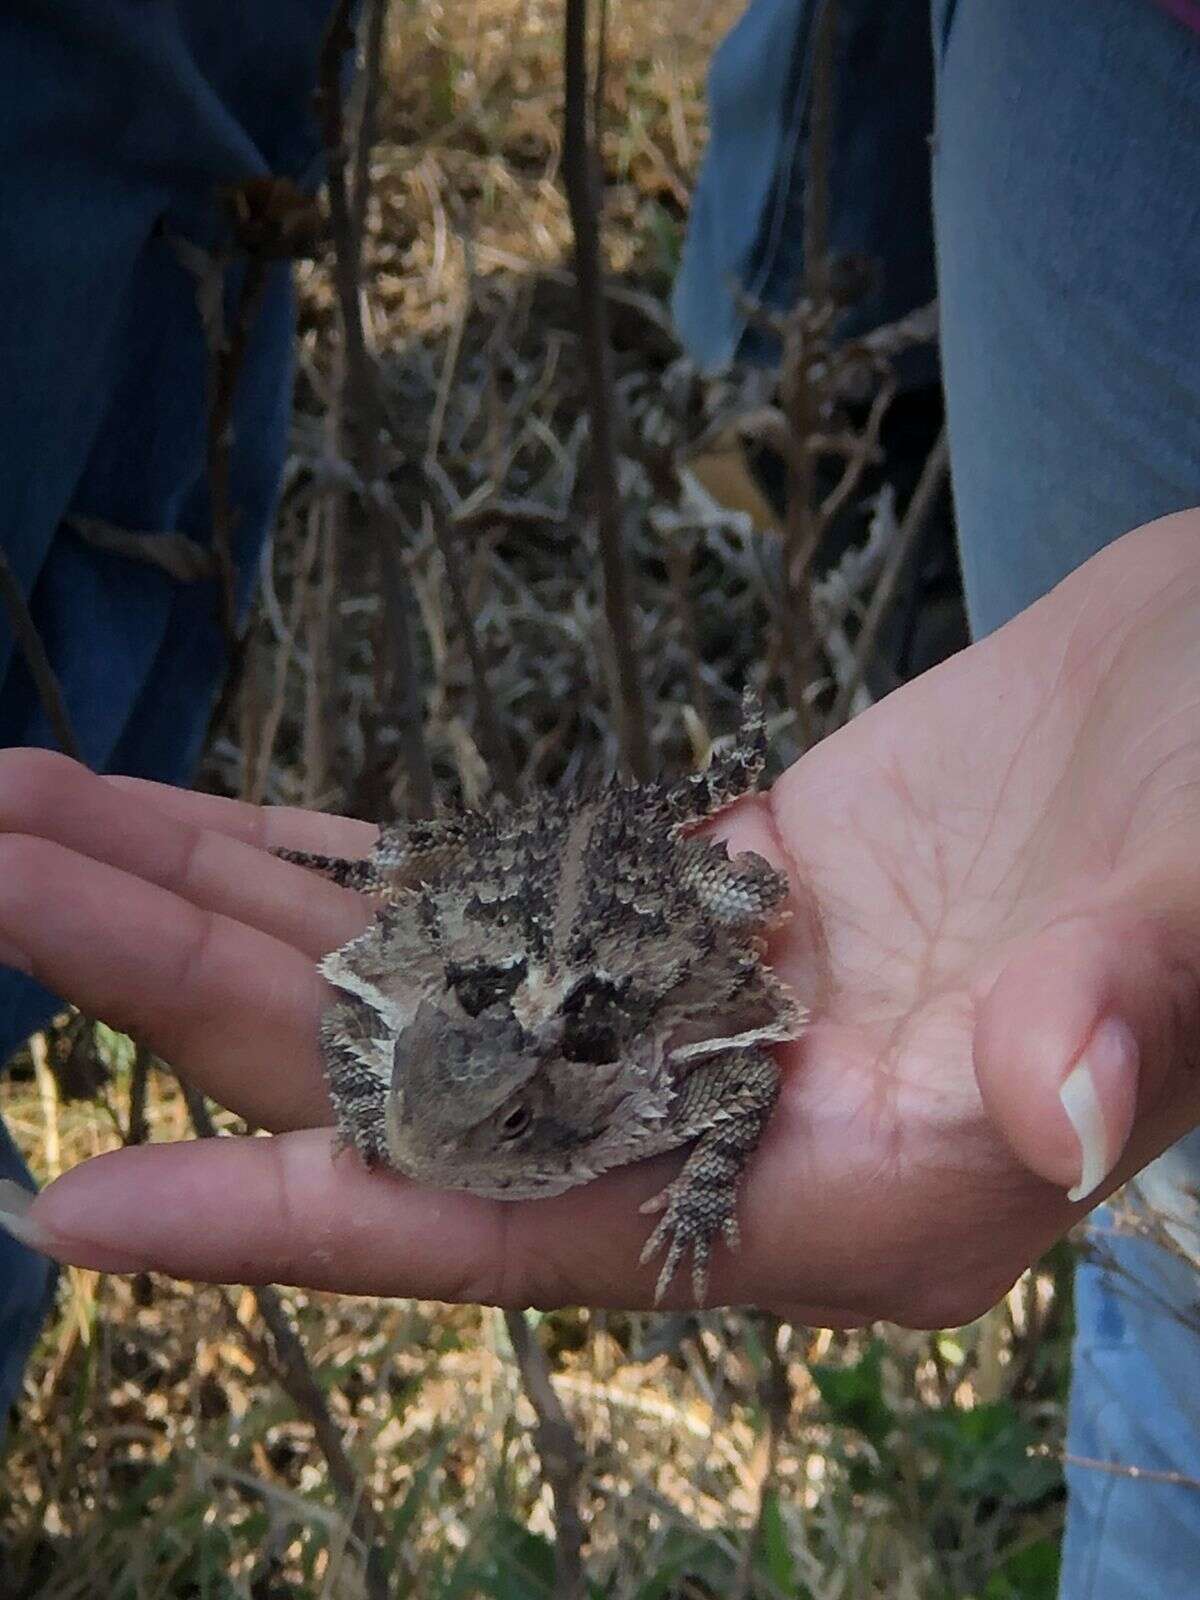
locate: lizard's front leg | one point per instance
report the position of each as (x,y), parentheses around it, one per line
(725,1099)
(358,1090)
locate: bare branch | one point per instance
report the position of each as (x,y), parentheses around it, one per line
(865,451)
(918,509)
(775,1402)
(184,559)
(906,333)
(818,177)
(493,736)
(227,354)
(138,1128)
(372,77)
(29,642)
(295,1376)
(580,176)
(1119,1469)
(560,1454)
(363,412)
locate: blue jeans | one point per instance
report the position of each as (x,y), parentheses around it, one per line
(1066,206)
(119,126)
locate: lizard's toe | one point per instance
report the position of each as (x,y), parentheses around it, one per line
(685,1225)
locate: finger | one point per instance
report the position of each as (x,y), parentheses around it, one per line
(268,827)
(806,1316)
(157,833)
(285,1209)
(233,1009)
(1079,1036)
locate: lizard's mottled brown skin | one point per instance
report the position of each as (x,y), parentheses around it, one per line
(561,987)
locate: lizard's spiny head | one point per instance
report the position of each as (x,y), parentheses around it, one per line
(490,1105)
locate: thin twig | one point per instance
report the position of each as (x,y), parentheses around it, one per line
(29,641)
(372,77)
(818,175)
(324,642)
(802,525)
(775,1402)
(915,515)
(600,81)
(364,413)
(559,1453)
(865,451)
(1118,1469)
(906,333)
(805,351)
(580,176)
(180,557)
(295,1376)
(256,761)
(678,559)
(227,354)
(493,736)
(137,1130)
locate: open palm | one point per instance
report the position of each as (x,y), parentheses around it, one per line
(986,867)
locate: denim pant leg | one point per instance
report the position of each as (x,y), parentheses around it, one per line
(123,130)
(1133,1397)
(1067,206)
(26,1286)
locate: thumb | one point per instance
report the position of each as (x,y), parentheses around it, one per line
(1077,1038)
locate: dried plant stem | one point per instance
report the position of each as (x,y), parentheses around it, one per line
(599,82)
(323,641)
(364,415)
(257,757)
(775,1400)
(806,346)
(29,642)
(372,76)
(580,176)
(295,1376)
(866,450)
(559,1453)
(493,736)
(678,561)
(802,528)
(818,176)
(915,515)
(227,354)
(1118,1469)
(48,1096)
(184,559)
(139,1082)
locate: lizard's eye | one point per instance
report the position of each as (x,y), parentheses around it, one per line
(514,1124)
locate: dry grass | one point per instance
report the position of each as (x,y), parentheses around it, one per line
(155,1454)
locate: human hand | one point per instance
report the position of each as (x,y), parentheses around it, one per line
(987,868)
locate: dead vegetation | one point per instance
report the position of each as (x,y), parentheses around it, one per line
(445,562)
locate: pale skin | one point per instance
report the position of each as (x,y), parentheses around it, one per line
(987,868)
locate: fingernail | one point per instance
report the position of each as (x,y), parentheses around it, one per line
(10,956)
(15,1202)
(14,1215)
(1104,1076)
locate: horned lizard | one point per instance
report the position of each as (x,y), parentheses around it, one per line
(563,986)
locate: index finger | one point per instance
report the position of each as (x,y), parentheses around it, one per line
(268,827)
(207,851)
(285,1209)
